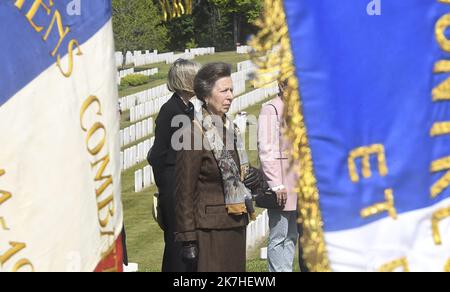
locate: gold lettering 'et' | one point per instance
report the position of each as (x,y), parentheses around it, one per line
(365,153)
(387,206)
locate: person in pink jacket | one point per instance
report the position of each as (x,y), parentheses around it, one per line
(275,164)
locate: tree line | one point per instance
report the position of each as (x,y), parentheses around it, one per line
(139,25)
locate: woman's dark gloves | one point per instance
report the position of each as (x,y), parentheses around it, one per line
(189,252)
(254,179)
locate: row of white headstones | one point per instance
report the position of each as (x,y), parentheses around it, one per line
(257,231)
(124,73)
(136,132)
(149,108)
(138,58)
(136,154)
(127,102)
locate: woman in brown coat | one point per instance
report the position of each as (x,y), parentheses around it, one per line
(213,202)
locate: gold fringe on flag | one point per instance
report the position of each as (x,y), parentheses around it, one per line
(175,8)
(274,58)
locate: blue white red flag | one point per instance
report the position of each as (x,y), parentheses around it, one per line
(60,207)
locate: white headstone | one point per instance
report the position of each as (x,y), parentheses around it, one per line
(142,110)
(133,156)
(138,131)
(133,133)
(138,181)
(150,126)
(121,137)
(126,136)
(144,129)
(147,176)
(131,268)
(140,150)
(125,159)
(132,114)
(147,109)
(263,253)
(146,146)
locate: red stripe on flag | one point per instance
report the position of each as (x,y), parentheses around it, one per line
(113,261)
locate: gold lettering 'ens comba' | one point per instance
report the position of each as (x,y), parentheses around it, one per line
(105,200)
(40,6)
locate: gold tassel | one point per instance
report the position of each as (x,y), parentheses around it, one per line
(164,10)
(175,8)
(274,58)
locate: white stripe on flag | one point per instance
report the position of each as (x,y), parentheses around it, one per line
(370,247)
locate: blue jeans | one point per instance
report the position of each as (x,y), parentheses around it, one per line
(282,240)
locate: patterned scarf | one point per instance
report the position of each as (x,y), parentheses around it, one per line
(238,198)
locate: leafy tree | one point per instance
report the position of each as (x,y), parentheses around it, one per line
(137,26)
(218,23)
(242,12)
(182,33)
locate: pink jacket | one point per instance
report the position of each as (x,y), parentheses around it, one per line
(269,154)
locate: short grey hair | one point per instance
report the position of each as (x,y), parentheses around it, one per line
(208,76)
(181,76)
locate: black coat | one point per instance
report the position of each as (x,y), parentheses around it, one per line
(162,158)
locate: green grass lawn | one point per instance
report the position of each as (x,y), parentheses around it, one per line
(145,241)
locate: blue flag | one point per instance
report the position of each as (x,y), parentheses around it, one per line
(374,84)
